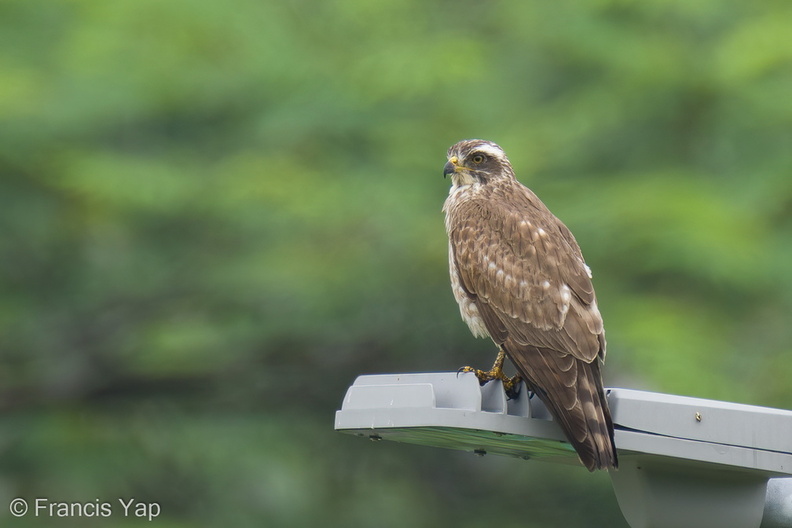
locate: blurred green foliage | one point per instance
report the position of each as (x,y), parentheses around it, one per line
(215,215)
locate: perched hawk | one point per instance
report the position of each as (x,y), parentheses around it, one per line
(519,278)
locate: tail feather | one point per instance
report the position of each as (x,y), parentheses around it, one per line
(572,390)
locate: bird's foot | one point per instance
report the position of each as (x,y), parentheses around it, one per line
(510,384)
(482,375)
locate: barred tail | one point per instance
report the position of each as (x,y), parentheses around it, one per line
(572,390)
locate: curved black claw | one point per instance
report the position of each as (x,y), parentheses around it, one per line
(513,386)
(482,376)
(464,369)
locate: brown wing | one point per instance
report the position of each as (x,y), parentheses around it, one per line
(516,257)
(526,275)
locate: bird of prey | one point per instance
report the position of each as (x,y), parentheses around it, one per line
(519,277)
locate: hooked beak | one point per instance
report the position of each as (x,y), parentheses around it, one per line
(451,166)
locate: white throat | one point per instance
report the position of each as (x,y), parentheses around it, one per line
(462,179)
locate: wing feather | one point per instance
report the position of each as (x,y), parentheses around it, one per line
(528,270)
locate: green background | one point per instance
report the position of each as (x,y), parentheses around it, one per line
(214,215)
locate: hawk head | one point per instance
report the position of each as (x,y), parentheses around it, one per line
(476,161)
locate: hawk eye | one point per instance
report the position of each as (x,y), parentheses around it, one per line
(478,158)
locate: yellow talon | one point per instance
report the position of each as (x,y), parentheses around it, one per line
(496,372)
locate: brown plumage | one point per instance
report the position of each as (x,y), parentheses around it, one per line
(519,278)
